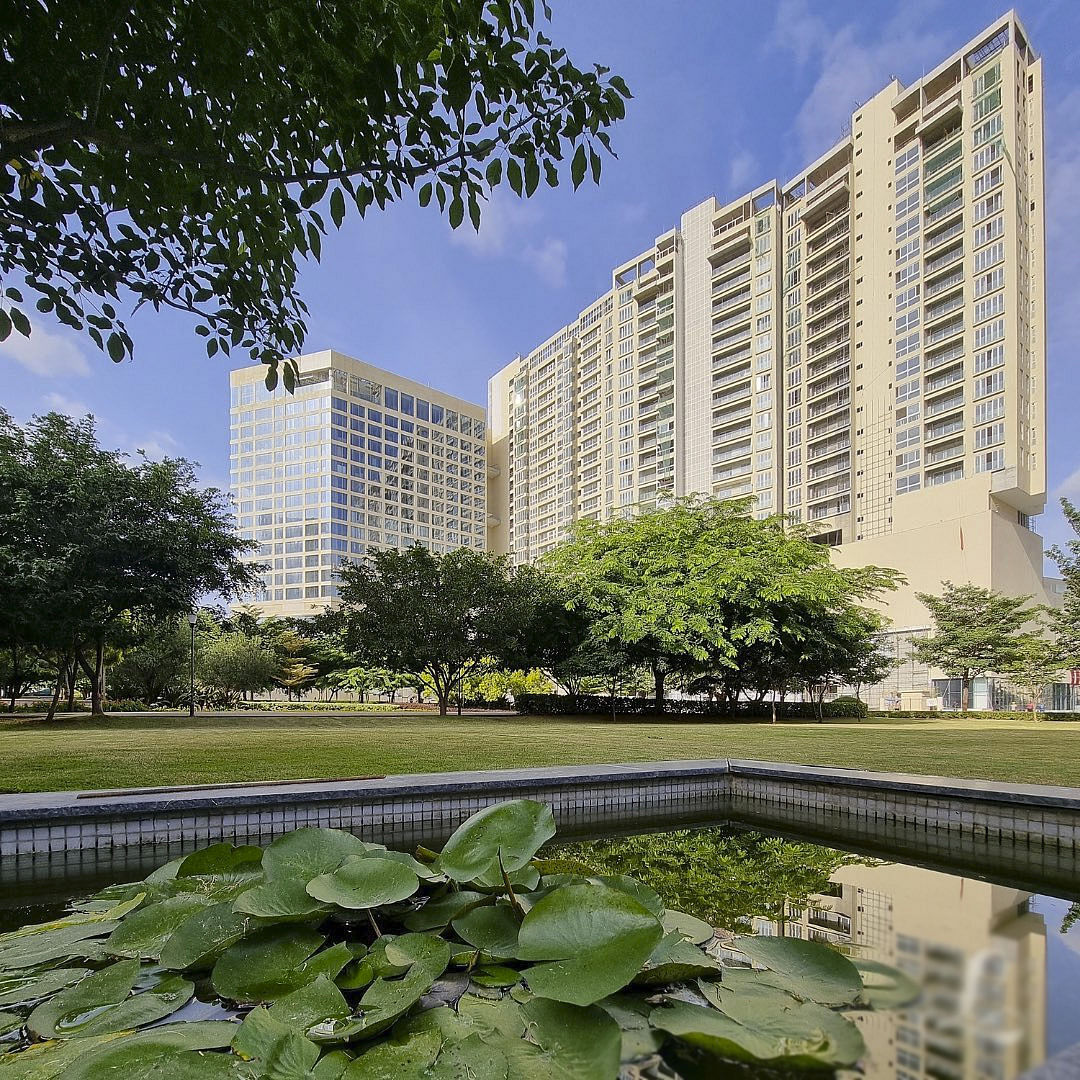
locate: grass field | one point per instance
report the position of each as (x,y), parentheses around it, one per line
(152,749)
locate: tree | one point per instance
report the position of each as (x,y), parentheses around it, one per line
(1065,621)
(187,155)
(94,547)
(1037,664)
(238,664)
(702,586)
(158,663)
(20,670)
(976,630)
(443,617)
(294,672)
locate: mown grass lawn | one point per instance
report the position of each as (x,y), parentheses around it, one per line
(155,749)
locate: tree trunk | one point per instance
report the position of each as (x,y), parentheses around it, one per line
(658,682)
(71,676)
(965,692)
(14,677)
(61,674)
(96,675)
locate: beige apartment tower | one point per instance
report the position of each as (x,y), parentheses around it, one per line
(357,459)
(862,348)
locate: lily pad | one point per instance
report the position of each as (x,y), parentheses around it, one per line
(45,946)
(494,929)
(21,989)
(275,1049)
(265,965)
(597,938)
(689,926)
(144,933)
(281,901)
(221,859)
(307,853)
(495,975)
(314,1006)
(675,959)
(363,882)
(885,987)
(201,938)
(631,1013)
(806,969)
(438,911)
(505,835)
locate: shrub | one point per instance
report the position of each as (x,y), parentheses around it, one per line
(749,711)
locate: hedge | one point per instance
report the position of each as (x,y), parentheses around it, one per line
(600,705)
(973,714)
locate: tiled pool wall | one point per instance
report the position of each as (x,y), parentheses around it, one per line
(1024,831)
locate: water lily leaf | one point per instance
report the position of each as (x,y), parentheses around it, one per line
(331,1066)
(526,877)
(282,901)
(108,912)
(511,831)
(806,969)
(382,967)
(45,946)
(62,1015)
(421,870)
(312,1007)
(144,933)
(10,1021)
(495,975)
(165,872)
(439,911)
(393,1060)
(692,928)
(201,938)
(566,1042)
(884,987)
(265,965)
(107,1057)
(224,858)
(768,1027)
(307,853)
(645,896)
(363,882)
(23,988)
(494,929)
(356,975)
(598,937)
(674,959)
(146,1008)
(631,1013)
(387,999)
(276,1050)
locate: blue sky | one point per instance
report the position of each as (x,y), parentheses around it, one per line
(402,291)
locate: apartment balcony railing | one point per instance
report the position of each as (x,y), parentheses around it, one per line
(742,375)
(720,399)
(720,287)
(952,205)
(719,230)
(823,386)
(731,473)
(736,262)
(820,326)
(732,492)
(830,468)
(945,404)
(944,283)
(830,258)
(721,344)
(828,282)
(722,435)
(830,920)
(943,308)
(826,427)
(823,239)
(942,184)
(827,449)
(829,363)
(733,301)
(743,450)
(823,491)
(830,509)
(934,383)
(730,415)
(732,320)
(838,400)
(948,452)
(841,293)
(834,342)
(946,330)
(944,236)
(946,157)
(945,356)
(943,428)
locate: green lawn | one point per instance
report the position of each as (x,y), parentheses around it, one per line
(153,749)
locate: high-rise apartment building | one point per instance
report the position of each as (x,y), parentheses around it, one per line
(357,459)
(862,348)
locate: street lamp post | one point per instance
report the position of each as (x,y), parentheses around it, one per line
(193,618)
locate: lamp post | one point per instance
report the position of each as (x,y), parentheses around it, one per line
(193,618)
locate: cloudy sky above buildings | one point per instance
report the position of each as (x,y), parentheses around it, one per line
(726,96)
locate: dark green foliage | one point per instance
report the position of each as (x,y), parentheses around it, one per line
(187,154)
(751,711)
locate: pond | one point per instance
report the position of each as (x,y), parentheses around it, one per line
(998,965)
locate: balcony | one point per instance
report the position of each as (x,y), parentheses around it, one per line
(732,320)
(720,399)
(730,341)
(830,509)
(943,428)
(829,258)
(741,375)
(827,322)
(719,475)
(823,386)
(720,287)
(840,464)
(945,356)
(825,490)
(945,404)
(822,428)
(821,240)
(838,400)
(944,283)
(722,362)
(722,435)
(943,308)
(831,343)
(733,301)
(741,451)
(829,363)
(952,205)
(943,236)
(729,265)
(730,415)
(840,293)
(827,282)
(946,330)
(942,184)
(947,452)
(947,378)
(953,152)
(833,446)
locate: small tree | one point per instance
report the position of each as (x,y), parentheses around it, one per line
(294,673)
(238,664)
(1065,621)
(976,631)
(1037,664)
(159,662)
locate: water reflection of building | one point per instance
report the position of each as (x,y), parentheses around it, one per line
(976,949)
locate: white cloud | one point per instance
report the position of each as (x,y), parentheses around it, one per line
(742,170)
(60,403)
(46,354)
(849,70)
(548,259)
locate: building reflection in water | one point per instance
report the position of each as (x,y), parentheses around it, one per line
(977,950)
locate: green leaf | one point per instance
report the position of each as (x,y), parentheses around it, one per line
(22,989)
(276,1050)
(675,959)
(307,853)
(203,937)
(806,969)
(222,858)
(19,321)
(457,211)
(532,173)
(337,206)
(361,882)
(425,194)
(315,1006)
(579,165)
(494,930)
(281,901)
(21,950)
(571,1043)
(493,174)
(474,212)
(597,938)
(495,976)
(116,347)
(513,174)
(503,836)
(885,987)
(631,1013)
(689,926)
(266,965)
(441,910)
(63,1015)
(144,933)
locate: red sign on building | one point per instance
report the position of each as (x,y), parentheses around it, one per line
(1074,677)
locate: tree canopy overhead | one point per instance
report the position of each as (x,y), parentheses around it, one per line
(185,154)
